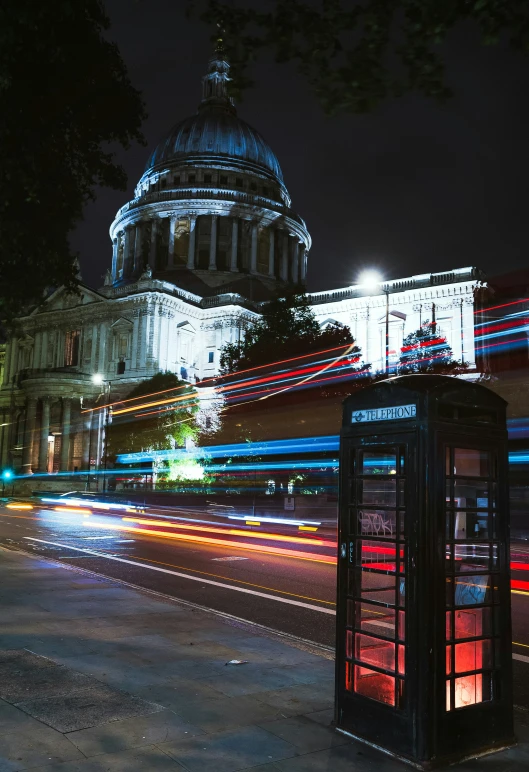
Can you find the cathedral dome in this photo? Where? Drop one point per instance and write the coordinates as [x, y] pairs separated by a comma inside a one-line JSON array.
[[215, 134]]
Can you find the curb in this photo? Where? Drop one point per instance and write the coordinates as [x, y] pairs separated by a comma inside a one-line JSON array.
[[303, 644]]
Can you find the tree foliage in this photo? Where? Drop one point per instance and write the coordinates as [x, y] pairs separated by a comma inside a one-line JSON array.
[[427, 351], [357, 53], [64, 96], [162, 427], [287, 328]]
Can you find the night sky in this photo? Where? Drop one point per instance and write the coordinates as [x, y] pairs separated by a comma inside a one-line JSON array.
[[413, 188]]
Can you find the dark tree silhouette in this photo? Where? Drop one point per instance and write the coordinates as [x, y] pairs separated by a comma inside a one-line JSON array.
[[64, 96], [357, 53], [287, 328]]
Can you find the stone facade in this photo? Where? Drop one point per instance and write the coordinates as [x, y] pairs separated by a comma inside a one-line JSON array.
[[208, 236]]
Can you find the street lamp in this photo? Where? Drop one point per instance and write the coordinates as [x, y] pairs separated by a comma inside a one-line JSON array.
[[372, 281], [99, 380], [7, 474]]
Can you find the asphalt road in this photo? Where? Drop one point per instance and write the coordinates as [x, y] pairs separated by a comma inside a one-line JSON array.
[[273, 574]]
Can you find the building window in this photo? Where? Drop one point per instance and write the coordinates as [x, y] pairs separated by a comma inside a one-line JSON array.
[[266, 192], [223, 179], [176, 179], [211, 357], [238, 182], [191, 179], [71, 348], [163, 183], [121, 368], [207, 178], [253, 186]]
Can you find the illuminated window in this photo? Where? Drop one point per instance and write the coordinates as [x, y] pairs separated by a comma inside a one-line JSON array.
[[375, 636], [472, 634], [71, 348]]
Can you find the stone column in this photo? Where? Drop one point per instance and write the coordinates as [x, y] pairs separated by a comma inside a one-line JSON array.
[[115, 259], [126, 253], [87, 436], [137, 248], [65, 433], [170, 258], [271, 253], [295, 264], [303, 257], [44, 350], [44, 433], [192, 243], [143, 340], [94, 349], [102, 364], [135, 342], [253, 258], [284, 257], [29, 433], [152, 249], [234, 244], [213, 243]]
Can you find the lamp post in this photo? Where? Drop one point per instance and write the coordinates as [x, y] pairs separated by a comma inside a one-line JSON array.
[[99, 380], [372, 280], [7, 474]]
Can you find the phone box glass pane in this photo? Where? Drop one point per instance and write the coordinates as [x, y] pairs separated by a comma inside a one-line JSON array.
[[473, 655], [379, 492], [377, 522], [378, 462], [468, 493], [376, 619], [378, 554], [469, 462], [472, 622], [375, 652], [378, 587], [472, 590], [471, 525], [376, 686], [471, 557]]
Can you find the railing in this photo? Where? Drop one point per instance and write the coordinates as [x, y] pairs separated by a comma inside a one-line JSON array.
[[398, 285], [214, 194], [68, 373]]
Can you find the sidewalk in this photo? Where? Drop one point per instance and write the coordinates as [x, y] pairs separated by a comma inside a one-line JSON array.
[[98, 677]]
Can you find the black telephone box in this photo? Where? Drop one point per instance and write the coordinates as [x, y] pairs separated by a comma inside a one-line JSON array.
[[423, 660]]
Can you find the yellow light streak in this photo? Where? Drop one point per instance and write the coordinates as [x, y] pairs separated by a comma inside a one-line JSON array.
[[263, 549], [231, 532], [145, 405], [307, 528], [252, 522], [525, 645], [73, 510], [15, 505]]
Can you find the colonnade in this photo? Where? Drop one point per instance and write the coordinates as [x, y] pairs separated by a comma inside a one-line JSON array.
[[37, 433], [128, 249]]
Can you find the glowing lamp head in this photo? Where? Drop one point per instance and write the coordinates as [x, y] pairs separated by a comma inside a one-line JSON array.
[[7, 474], [371, 280], [97, 379]]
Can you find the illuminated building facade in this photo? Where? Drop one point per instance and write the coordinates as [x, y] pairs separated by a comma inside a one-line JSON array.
[[209, 235]]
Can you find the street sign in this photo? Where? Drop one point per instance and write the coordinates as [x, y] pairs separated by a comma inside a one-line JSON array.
[[384, 413], [290, 503]]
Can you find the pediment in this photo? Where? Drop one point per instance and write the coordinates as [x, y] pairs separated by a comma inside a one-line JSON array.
[[61, 299], [121, 324], [186, 327]]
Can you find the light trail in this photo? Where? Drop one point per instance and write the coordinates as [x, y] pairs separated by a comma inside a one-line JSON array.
[[234, 532]]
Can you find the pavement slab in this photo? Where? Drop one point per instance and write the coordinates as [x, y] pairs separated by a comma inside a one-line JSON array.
[[229, 751], [95, 704], [162, 727], [149, 759]]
